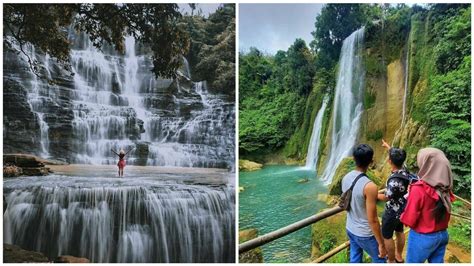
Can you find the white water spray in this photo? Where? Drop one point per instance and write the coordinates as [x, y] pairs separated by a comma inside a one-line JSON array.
[[313, 148], [348, 107]]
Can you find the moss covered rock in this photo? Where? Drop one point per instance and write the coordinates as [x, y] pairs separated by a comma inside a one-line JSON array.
[[328, 234], [246, 165], [15, 254], [252, 256], [347, 165]]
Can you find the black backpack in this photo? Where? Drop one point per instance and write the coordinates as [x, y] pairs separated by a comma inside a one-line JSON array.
[[411, 178], [345, 199]]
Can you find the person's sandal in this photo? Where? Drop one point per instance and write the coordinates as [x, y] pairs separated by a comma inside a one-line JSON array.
[[397, 261]]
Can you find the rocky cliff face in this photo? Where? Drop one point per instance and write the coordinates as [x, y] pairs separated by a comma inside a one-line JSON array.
[[112, 101], [393, 91]]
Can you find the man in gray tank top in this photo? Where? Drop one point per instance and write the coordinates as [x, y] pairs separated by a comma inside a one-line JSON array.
[[362, 225]]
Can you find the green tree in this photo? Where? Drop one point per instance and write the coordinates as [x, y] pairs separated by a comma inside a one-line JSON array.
[[335, 23], [212, 53], [300, 66], [158, 26], [449, 101]]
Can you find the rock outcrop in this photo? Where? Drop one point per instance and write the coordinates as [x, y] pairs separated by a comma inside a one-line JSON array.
[[246, 165], [20, 125], [252, 256], [15, 254], [70, 259], [24, 164]]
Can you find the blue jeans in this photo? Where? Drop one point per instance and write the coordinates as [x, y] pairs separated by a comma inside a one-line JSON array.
[[431, 247], [367, 244]]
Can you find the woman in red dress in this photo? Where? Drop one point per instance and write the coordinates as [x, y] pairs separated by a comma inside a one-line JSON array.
[[121, 162]]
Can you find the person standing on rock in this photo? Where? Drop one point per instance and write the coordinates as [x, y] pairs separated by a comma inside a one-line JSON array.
[[428, 208], [121, 162], [362, 224]]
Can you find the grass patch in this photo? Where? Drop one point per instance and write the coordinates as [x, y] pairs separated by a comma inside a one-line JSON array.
[[375, 135], [369, 99], [460, 234]]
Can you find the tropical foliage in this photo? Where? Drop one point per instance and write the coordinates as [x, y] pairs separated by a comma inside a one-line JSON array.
[[450, 98], [280, 94], [272, 94], [212, 53], [159, 26]]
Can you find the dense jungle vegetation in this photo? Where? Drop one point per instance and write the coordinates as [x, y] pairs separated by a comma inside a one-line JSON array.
[[281, 93]]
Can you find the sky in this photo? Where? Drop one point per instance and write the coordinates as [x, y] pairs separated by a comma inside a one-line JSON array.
[[273, 27]]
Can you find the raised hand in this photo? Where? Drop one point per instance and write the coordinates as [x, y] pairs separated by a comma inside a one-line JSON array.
[[385, 144]]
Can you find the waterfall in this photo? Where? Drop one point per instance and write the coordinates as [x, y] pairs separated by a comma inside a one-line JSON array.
[[313, 148], [187, 69], [407, 56], [37, 95], [120, 220], [348, 108], [114, 101]]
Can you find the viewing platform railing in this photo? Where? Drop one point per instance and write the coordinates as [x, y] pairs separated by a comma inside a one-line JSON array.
[[279, 233]]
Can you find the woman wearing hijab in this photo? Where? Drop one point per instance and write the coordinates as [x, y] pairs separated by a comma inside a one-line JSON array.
[[428, 208]]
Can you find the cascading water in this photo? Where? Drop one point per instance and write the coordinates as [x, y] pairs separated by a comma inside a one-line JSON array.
[[407, 56], [348, 107], [135, 219], [136, 114], [37, 95], [313, 149], [113, 101]]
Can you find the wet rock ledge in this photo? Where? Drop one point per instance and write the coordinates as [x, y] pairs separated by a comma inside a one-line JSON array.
[[15, 254], [26, 164]]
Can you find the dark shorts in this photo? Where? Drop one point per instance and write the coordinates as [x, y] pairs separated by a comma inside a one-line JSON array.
[[390, 224]]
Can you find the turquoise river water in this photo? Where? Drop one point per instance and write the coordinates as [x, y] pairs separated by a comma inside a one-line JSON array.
[[277, 196]]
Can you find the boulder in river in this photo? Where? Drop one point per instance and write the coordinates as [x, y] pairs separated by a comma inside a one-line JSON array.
[[246, 165], [252, 256]]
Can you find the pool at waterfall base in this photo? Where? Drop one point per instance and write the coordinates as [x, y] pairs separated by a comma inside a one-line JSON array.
[[150, 215], [274, 197]]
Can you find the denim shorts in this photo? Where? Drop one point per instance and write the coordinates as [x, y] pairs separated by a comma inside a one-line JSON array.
[[422, 247]]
